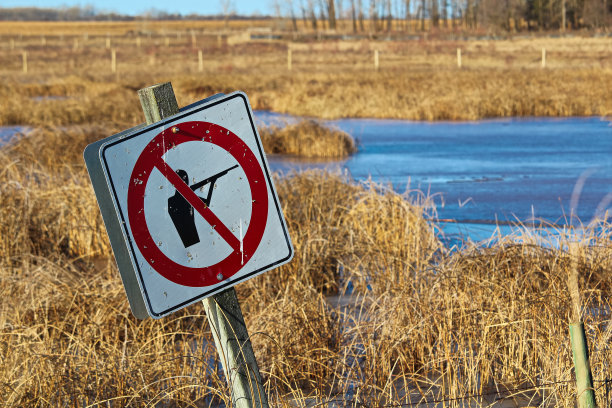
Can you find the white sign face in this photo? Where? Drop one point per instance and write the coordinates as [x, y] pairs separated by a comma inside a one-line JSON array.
[[196, 203]]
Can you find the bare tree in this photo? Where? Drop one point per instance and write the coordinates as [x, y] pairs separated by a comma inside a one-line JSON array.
[[227, 8], [361, 16], [373, 15], [331, 14], [407, 15], [354, 16], [313, 14], [291, 12]]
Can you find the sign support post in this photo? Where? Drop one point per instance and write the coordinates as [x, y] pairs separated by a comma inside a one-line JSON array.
[[222, 310]]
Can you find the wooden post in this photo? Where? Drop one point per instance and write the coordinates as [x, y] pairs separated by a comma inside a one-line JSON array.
[[289, 58], [543, 57], [222, 310], [376, 65], [113, 61], [582, 366], [200, 61], [24, 60], [458, 57]]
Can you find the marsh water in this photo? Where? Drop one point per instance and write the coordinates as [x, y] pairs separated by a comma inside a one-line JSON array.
[[480, 174], [484, 172]]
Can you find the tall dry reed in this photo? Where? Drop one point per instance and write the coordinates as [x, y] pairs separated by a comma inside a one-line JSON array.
[[307, 138]]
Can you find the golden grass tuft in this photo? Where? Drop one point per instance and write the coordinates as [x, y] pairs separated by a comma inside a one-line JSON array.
[[307, 138]]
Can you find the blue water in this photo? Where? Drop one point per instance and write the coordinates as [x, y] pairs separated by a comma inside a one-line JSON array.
[[504, 170], [7, 132]]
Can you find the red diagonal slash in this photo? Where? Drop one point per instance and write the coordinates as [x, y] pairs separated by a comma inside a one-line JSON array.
[[197, 204]]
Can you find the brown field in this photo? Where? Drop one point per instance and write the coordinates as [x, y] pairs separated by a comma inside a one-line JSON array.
[[485, 326], [417, 79]]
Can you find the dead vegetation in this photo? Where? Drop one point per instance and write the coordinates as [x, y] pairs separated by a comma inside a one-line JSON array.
[[307, 138], [421, 323]]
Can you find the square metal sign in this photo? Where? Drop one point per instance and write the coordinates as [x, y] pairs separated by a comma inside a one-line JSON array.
[[189, 205]]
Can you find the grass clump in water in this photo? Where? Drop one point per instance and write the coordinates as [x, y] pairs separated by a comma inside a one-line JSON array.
[[307, 138]]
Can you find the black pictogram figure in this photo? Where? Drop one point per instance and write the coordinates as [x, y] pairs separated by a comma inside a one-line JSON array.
[[181, 212]]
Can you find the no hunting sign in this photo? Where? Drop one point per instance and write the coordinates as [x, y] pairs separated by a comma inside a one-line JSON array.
[[189, 205]]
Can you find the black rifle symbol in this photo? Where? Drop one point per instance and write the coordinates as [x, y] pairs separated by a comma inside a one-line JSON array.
[[181, 212]]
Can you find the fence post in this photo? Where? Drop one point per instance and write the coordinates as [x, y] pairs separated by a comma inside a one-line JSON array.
[[543, 57], [458, 57], [582, 366], [289, 57], [113, 61], [24, 60], [222, 310], [200, 61], [376, 65]]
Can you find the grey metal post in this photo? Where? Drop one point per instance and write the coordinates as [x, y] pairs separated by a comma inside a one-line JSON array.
[[582, 366], [222, 310]]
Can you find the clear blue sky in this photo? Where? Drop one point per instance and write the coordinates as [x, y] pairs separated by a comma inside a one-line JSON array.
[[243, 7]]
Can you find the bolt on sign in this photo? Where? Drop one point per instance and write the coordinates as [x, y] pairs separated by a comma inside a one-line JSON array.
[[189, 204]]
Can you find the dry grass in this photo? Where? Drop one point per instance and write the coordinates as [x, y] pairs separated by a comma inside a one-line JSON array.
[[421, 323], [329, 79], [307, 138]]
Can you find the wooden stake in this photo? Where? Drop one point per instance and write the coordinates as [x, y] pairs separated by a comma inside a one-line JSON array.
[[113, 61], [543, 57], [582, 366], [458, 57], [376, 65], [200, 61], [222, 310], [24, 60], [289, 58]]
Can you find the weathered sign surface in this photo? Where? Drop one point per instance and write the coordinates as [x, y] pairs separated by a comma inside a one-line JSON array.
[[189, 205]]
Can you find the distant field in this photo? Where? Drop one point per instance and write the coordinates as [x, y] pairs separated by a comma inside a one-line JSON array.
[[415, 79], [423, 323]]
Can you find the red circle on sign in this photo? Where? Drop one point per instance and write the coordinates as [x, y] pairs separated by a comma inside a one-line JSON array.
[[152, 158]]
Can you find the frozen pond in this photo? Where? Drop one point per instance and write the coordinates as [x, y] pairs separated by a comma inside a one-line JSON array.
[[7, 132], [505, 170]]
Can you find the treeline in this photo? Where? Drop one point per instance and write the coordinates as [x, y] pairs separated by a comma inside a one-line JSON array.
[[509, 15], [87, 13], [90, 13]]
